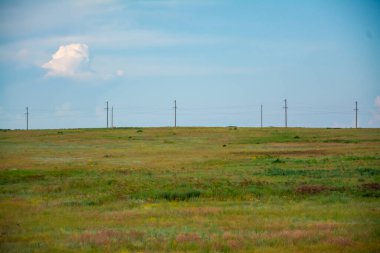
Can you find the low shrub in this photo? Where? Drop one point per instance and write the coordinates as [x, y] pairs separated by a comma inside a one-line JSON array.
[[180, 195]]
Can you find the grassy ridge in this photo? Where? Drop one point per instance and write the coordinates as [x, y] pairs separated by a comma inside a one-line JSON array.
[[190, 189]]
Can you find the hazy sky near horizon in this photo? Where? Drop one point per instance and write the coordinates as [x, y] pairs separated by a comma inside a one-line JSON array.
[[220, 59]]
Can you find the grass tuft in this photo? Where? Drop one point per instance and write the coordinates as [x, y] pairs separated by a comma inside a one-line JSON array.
[[179, 195]]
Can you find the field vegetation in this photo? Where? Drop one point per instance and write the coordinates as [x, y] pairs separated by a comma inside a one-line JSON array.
[[190, 190]]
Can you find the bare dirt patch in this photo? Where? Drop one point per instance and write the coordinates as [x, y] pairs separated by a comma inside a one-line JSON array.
[[188, 238], [311, 189], [371, 186]]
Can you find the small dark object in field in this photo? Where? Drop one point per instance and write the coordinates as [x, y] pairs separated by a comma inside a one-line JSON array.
[[224, 145], [296, 137], [110, 182], [277, 160], [129, 137], [139, 131], [107, 156], [60, 132]]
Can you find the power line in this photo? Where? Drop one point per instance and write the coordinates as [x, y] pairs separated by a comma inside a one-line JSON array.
[[190, 113]]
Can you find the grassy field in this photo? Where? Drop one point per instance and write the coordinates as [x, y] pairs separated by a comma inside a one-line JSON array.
[[190, 190]]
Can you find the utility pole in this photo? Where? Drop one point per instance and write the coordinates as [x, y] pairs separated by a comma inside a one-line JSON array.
[[107, 112], [261, 116], [175, 113], [356, 114], [27, 118], [286, 114], [112, 116]]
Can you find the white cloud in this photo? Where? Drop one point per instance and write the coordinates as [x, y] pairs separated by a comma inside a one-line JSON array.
[[120, 72], [69, 61]]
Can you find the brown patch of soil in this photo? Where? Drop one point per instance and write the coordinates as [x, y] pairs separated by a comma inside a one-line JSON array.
[[311, 189], [371, 186], [188, 237]]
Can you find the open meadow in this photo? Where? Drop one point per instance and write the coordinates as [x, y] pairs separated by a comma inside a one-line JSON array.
[[190, 190]]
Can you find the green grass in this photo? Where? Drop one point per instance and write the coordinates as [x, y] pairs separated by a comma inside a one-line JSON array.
[[190, 190]]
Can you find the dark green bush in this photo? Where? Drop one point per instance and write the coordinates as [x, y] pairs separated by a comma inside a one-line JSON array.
[[180, 195]]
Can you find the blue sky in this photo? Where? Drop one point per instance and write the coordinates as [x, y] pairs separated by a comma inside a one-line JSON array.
[[219, 59]]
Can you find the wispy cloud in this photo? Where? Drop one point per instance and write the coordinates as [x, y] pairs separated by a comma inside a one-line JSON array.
[[73, 59], [376, 114], [375, 120], [120, 72], [173, 3], [157, 67], [377, 102], [169, 70], [111, 38], [39, 17], [64, 110]]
